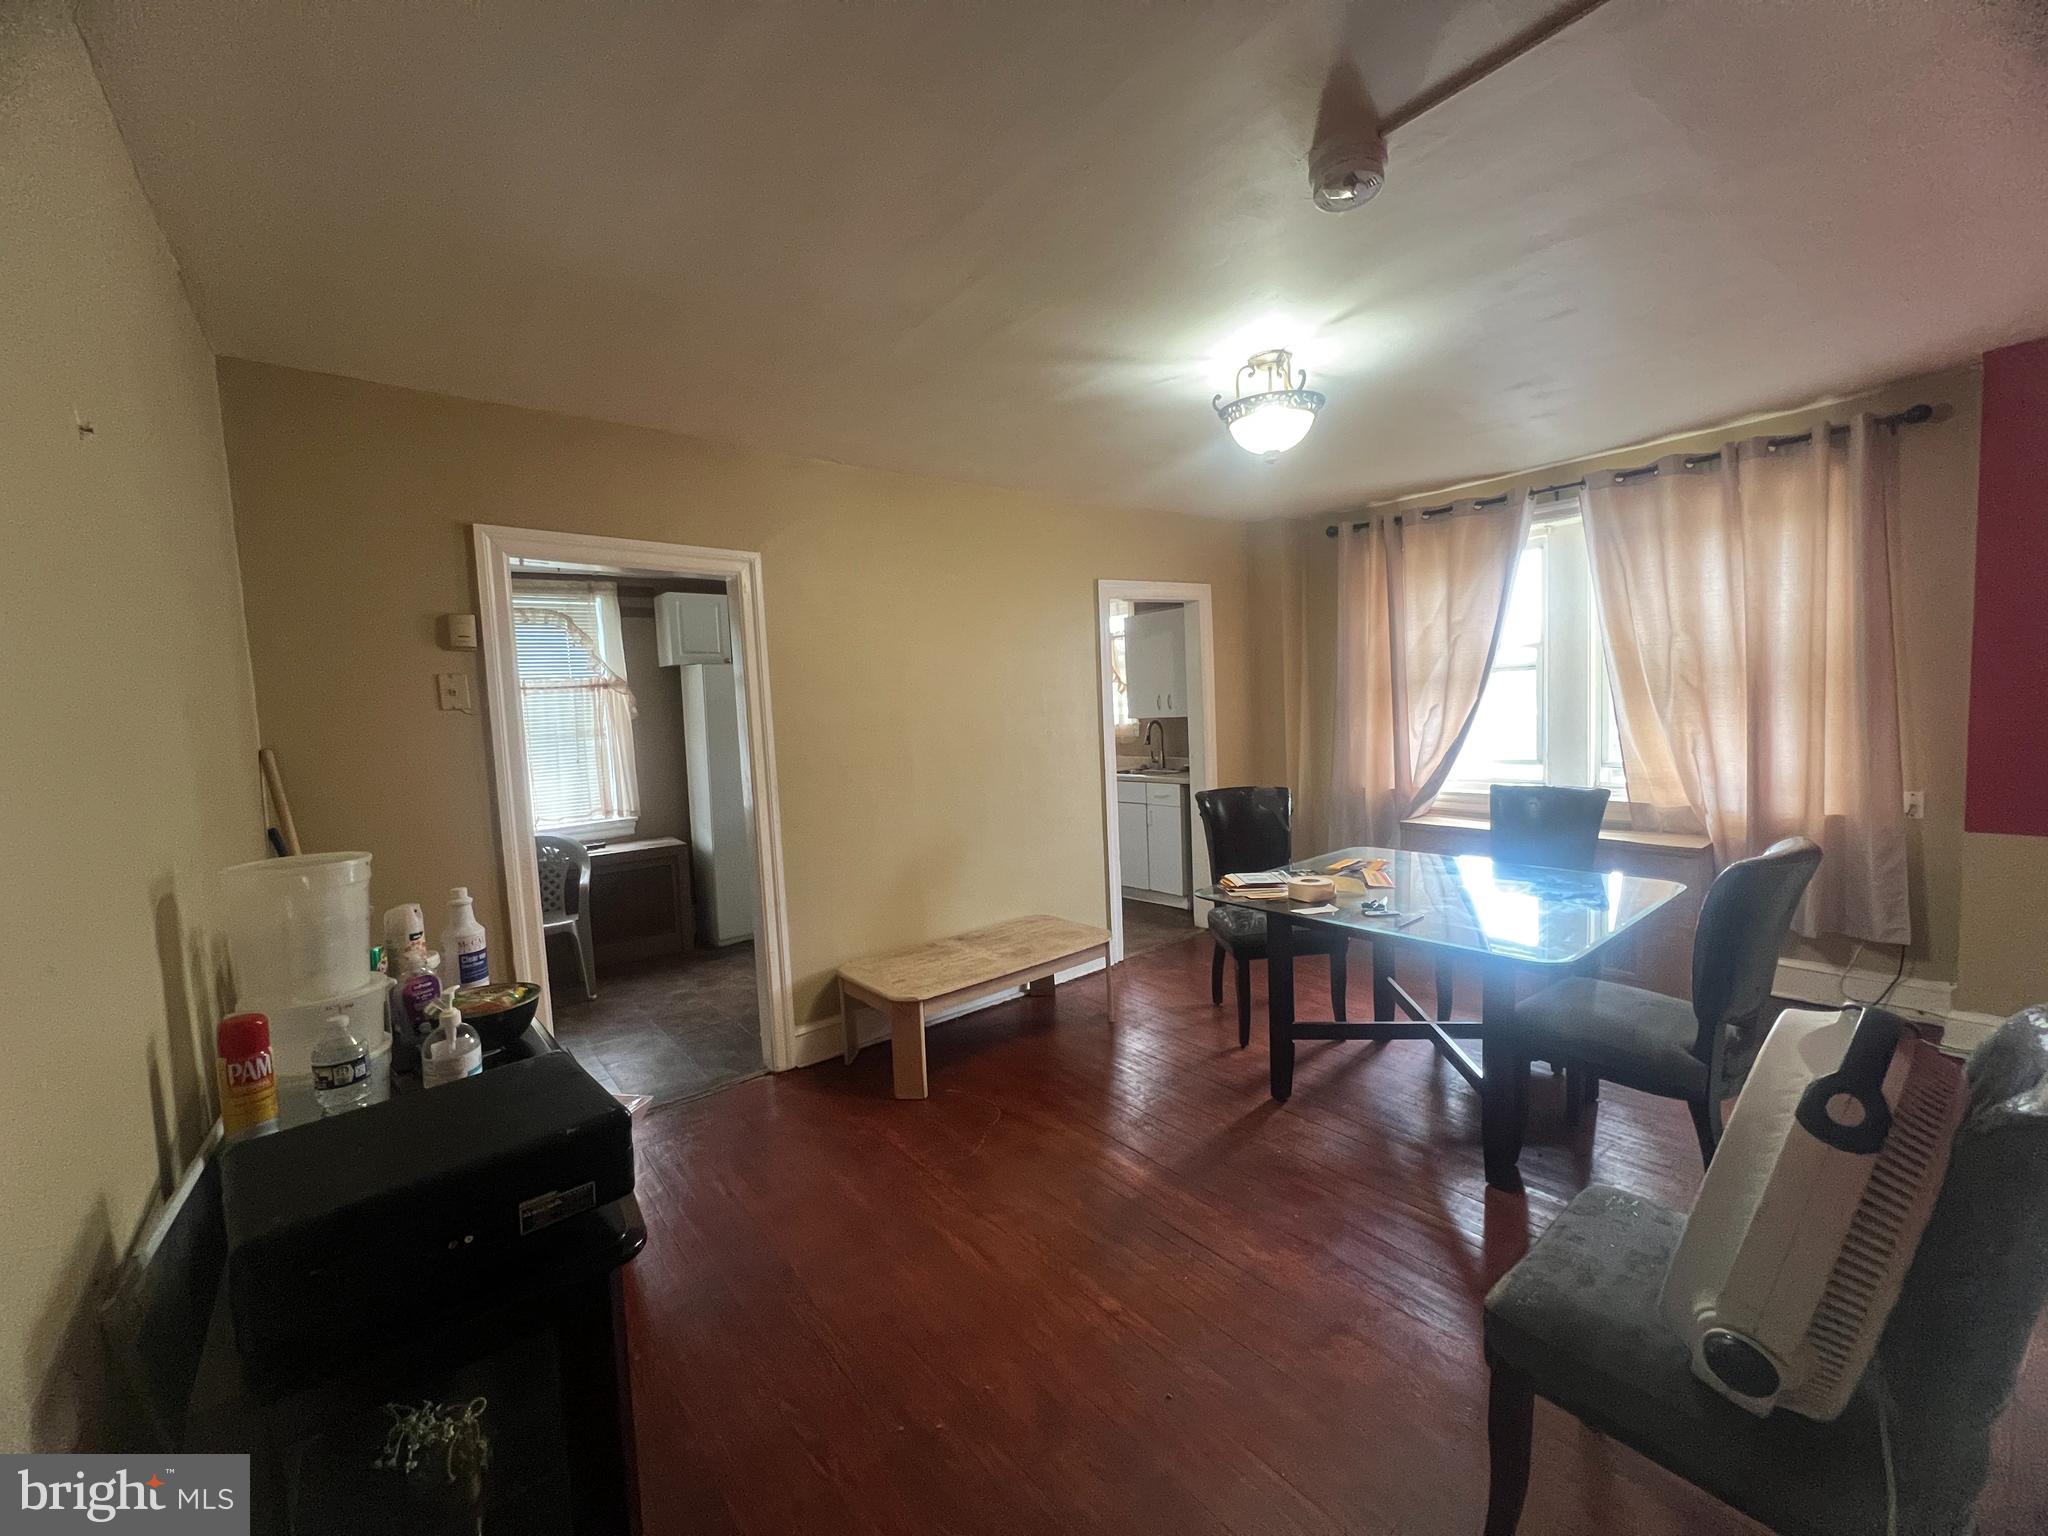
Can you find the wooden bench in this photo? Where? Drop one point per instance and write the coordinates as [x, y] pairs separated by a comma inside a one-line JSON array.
[[910, 984]]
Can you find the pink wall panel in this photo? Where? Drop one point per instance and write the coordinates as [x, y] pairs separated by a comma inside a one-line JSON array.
[[2008, 776]]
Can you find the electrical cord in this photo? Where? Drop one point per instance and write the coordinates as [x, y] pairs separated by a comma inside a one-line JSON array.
[[1898, 975], [1883, 1394]]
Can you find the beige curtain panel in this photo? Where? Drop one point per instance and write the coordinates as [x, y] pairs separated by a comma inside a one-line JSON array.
[[1420, 604], [1745, 604]]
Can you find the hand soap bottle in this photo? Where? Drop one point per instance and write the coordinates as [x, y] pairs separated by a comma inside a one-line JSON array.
[[452, 1052]]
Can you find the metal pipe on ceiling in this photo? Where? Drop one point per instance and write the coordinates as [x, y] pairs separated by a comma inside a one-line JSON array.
[[1532, 36]]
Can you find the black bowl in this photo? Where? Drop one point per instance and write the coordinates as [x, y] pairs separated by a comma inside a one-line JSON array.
[[499, 1027]]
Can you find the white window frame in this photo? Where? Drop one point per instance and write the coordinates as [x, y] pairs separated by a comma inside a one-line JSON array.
[[1120, 659], [1573, 706], [611, 641]]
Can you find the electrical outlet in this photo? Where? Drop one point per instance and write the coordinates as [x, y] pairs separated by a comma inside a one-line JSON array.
[[1916, 804], [452, 691]]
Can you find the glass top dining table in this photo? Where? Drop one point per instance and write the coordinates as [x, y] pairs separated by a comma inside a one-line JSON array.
[[1507, 919]]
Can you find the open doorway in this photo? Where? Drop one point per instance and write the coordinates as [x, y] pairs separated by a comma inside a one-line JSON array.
[[637, 827], [1159, 750]]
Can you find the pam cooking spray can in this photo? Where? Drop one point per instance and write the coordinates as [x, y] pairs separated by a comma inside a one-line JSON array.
[[248, 1082]]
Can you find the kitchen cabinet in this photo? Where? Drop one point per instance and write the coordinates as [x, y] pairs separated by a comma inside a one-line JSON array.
[[1156, 664], [692, 629], [1134, 842], [1152, 838], [640, 899], [1166, 845]]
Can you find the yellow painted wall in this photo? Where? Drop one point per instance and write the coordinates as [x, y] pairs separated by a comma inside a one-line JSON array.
[[127, 765], [931, 646], [1932, 571], [2004, 962]]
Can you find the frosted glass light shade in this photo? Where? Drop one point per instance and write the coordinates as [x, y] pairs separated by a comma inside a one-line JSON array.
[[1272, 424], [1272, 419]]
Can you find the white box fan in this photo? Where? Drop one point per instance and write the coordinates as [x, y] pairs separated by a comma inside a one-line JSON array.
[[1812, 1209]]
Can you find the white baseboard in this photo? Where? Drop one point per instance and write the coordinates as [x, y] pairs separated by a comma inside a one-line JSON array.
[[824, 1039], [1967, 1031], [1809, 981]]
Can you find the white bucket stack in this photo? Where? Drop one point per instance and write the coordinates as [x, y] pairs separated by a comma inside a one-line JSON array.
[[299, 936]]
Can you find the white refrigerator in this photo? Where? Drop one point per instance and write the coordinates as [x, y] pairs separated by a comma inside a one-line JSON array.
[[693, 633], [721, 831]]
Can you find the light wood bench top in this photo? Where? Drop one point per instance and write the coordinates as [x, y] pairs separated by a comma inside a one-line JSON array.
[[918, 973], [1026, 952]]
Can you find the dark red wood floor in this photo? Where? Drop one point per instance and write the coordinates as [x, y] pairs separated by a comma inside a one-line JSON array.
[[1100, 1282]]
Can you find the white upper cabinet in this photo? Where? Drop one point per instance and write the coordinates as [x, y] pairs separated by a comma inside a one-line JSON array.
[[691, 628], [1156, 663]]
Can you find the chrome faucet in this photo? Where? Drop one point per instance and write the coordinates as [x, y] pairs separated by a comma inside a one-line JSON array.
[[1155, 750]]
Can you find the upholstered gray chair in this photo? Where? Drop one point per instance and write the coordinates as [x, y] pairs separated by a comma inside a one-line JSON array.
[[565, 900], [1251, 827], [1542, 824], [1577, 1322], [1698, 1051]]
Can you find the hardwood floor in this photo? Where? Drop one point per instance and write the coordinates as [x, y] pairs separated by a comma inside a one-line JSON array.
[[1100, 1282]]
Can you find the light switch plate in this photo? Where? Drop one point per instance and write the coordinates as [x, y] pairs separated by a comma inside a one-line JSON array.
[[452, 690], [1916, 804]]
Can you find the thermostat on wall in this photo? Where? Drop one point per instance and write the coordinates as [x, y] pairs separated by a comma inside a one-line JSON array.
[[458, 631]]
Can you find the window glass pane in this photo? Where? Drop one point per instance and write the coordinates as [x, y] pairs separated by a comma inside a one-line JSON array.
[[1609, 759], [1505, 742], [572, 763], [1506, 739], [1524, 626]]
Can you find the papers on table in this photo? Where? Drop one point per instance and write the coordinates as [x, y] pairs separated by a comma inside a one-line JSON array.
[[1374, 872], [1260, 883]]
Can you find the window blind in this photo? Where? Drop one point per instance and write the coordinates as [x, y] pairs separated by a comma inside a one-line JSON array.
[[577, 706]]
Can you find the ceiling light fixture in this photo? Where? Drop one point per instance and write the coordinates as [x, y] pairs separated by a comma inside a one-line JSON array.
[[1274, 418]]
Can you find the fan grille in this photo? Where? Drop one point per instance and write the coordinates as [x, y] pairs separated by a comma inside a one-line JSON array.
[[1865, 1279]]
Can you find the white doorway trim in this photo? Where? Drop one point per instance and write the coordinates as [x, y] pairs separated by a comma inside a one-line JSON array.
[[1200, 603], [496, 549]]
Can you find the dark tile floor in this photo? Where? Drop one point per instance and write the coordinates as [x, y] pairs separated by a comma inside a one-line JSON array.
[[672, 1028], [1147, 925]]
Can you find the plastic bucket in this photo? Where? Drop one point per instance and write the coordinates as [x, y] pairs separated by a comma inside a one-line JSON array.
[[299, 928], [295, 1026]]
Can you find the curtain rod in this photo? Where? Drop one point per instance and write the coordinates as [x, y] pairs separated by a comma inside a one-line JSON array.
[[1911, 416]]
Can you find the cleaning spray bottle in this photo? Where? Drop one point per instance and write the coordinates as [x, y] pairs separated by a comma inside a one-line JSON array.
[[452, 1052], [463, 950]]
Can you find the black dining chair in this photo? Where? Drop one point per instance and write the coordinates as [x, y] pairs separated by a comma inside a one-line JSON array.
[[1251, 827], [1535, 824], [1698, 1051]]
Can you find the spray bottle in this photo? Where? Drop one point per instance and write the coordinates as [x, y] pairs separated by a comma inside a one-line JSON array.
[[463, 950]]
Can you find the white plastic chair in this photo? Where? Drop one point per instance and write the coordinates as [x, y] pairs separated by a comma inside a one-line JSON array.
[[565, 899]]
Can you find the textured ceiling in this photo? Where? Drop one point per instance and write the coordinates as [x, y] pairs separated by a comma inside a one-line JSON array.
[[1024, 243]]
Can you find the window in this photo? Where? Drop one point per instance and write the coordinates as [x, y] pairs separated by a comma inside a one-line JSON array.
[[1119, 659], [577, 707], [1546, 716]]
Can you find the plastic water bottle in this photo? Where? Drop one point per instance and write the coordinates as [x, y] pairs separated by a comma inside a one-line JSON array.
[[341, 1068]]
